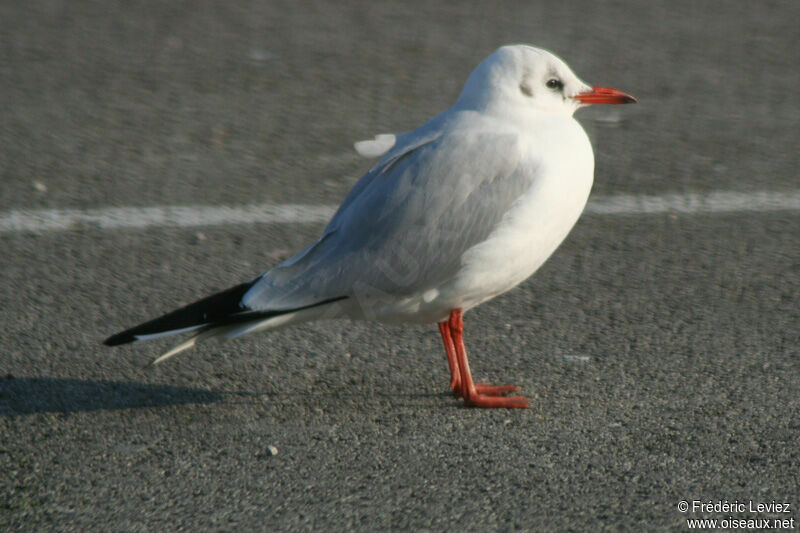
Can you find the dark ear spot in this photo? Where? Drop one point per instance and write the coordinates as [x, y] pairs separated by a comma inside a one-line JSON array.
[[525, 88]]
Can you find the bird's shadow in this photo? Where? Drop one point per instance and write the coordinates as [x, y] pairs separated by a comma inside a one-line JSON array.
[[21, 396]]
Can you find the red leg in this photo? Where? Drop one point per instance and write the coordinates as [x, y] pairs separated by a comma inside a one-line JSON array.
[[455, 375], [483, 395], [450, 348]]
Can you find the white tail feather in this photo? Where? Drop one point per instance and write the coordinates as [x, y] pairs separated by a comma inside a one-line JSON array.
[[176, 350], [188, 343]]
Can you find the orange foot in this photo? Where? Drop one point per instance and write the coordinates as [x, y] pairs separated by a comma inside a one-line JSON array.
[[485, 389], [494, 398]]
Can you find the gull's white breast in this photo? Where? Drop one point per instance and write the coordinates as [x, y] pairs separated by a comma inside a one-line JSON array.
[[558, 154]]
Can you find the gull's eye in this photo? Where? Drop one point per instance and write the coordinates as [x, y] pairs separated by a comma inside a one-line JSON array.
[[554, 83]]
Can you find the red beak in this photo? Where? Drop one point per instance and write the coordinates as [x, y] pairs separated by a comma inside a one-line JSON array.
[[602, 95]]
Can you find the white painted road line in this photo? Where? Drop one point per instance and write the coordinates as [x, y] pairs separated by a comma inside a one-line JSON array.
[[44, 220], [24, 220], [695, 203]]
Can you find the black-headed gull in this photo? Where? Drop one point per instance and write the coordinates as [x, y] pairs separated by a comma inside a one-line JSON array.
[[454, 213]]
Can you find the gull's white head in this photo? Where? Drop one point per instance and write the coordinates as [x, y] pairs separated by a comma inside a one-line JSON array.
[[519, 77]]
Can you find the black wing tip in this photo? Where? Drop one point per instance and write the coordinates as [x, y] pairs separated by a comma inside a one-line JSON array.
[[205, 314], [210, 309], [119, 338]]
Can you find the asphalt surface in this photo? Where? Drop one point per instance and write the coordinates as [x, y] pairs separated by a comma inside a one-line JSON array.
[[660, 351]]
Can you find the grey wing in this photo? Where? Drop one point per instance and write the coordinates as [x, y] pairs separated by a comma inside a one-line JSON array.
[[406, 225], [404, 144]]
